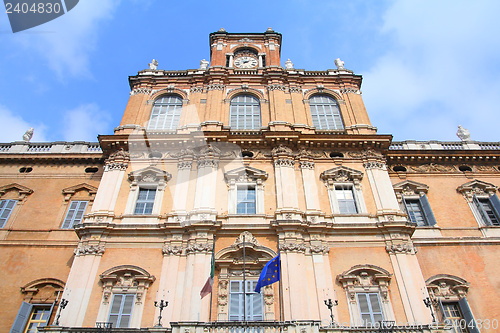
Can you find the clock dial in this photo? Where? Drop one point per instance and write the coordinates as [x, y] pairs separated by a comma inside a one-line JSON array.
[[245, 62]]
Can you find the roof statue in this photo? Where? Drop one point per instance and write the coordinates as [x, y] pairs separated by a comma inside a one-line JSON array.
[[339, 63], [288, 64], [203, 64], [28, 134], [153, 64], [463, 133]]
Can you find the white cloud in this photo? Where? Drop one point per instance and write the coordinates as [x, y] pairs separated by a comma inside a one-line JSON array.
[[66, 42], [441, 70], [14, 126], [85, 122]]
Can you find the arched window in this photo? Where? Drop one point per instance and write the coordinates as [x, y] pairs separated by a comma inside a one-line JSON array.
[[325, 113], [166, 113], [244, 112]]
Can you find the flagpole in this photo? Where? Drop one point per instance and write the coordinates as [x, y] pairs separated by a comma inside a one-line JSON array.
[[279, 281], [244, 284], [211, 263]]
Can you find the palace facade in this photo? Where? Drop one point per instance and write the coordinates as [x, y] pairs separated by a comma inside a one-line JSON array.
[[242, 159]]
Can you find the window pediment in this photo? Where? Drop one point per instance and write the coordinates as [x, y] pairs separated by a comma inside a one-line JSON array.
[[149, 175], [477, 187], [447, 286], [409, 188], [22, 191], [364, 278], [71, 191], [245, 174], [341, 174], [126, 278], [42, 290]]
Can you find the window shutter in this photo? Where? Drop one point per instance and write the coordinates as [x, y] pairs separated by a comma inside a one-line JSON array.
[[6, 207], [235, 300], [441, 310], [495, 204], [480, 209], [429, 216], [467, 313], [49, 315], [21, 318]]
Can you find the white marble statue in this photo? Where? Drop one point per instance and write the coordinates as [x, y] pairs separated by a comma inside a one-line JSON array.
[[28, 134], [153, 64], [288, 64], [339, 63], [463, 133], [203, 65]]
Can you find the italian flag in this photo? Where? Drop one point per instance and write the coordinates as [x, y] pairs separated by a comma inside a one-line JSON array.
[[207, 288]]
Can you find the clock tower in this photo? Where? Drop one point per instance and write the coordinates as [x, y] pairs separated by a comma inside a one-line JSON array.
[[245, 50]]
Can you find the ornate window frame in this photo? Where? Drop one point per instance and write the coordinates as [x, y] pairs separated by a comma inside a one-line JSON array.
[[344, 176], [125, 279], [229, 263], [244, 114], [76, 193], [480, 190], [322, 120], [16, 192], [150, 178], [245, 177], [169, 106], [366, 279], [411, 190]]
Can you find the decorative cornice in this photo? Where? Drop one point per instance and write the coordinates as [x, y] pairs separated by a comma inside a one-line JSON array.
[[215, 86], [184, 165], [306, 165], [138, 91], [199, 248], [172, 250], [292, 247], [274, 86], [374, 165], [319, 249], [280, 162], [82, 250], [368, 152], [196, 89], [295, 90], [401, 248]]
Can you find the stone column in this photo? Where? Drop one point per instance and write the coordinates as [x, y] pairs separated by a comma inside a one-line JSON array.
[[380, 183], [206, 181], [310, 190], [286, 186], [179, 209], [80, 282], [109, 187], [409, 278]]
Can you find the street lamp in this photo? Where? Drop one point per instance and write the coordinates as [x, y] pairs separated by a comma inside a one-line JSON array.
[[62, 306], [329, 304], [163, 304]]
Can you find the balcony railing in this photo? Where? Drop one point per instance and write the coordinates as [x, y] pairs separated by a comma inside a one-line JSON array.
[[253, 327]]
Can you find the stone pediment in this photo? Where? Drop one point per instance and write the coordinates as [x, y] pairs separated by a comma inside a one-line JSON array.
[[409, 187], [341, 174], [477, 187], [245, 174], [21, 190], [149, 175], [85, 187]]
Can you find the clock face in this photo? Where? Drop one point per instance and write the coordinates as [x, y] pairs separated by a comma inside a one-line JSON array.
[[245, 62]]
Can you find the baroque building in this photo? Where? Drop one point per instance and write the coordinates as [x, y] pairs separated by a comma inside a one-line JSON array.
[[242, 159]]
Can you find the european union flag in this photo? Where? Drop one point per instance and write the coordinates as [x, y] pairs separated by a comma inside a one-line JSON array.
[[270, 274]]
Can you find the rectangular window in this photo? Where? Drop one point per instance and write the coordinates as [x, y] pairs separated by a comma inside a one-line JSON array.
[[145, 201], [74, 214], [452, 314], [346, 200], [253, 308], [121, 310], [6, 207], [415, 212], [39, 317], [246, 200], [369, 308], [487, 209]]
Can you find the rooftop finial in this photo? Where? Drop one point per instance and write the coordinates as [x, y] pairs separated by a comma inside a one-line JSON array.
[[288, 64], [339, 63], [222, 30], [270, 29]]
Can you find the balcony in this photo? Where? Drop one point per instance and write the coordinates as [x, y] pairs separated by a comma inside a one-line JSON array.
[[253, 327]]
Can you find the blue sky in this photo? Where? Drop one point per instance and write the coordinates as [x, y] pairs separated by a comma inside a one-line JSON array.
[[427, 66]]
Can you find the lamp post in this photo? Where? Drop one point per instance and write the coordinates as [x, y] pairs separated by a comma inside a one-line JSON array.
[[163, 304], [62, 306], [428, 303], [329, 304]]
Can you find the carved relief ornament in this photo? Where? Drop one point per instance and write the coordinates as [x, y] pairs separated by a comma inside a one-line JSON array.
[[126, 279], [96, 250], [365, 278]]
